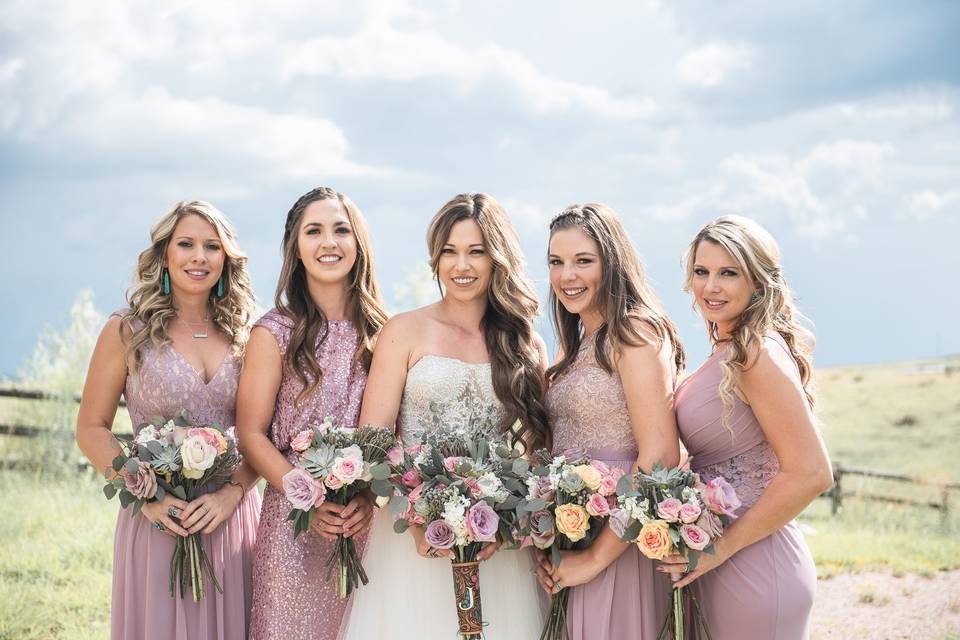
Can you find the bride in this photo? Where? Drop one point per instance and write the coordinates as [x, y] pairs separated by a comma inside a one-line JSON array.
[[471, 360]]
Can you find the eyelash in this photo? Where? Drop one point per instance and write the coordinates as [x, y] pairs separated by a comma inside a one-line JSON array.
[[725, 272], [210, 247]]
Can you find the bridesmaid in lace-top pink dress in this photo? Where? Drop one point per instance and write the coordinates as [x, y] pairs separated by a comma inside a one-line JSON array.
[[746, 415], [588, 411]]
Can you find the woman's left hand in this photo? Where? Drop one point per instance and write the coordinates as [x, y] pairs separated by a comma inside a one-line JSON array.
[[677, 566], [575, 568], [205, 513], [358, 515]]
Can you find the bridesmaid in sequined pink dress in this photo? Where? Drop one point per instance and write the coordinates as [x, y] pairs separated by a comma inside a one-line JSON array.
[[756, 429], [192, 270], [306, 360], [611, 394]]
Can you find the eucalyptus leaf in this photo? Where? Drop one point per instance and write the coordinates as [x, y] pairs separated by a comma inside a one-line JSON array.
[[398, 505], [180, 492], [537, 504], [555, 555], [380, 471], [630, 533], [109, 490], [400, 526], [624, 484], [118, 463], [382, 488], [692, 557], [521, 467], [126, 498]]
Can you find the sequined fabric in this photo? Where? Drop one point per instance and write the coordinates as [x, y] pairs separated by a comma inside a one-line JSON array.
[[292, 599], [587, 408], [165, 385], [445, 392]]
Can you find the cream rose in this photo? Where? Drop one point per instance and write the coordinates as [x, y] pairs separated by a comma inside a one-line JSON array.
[[590, 475], [573, 521], [198, 455]]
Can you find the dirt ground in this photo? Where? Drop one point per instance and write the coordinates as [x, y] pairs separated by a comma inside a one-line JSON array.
[[886, 606]]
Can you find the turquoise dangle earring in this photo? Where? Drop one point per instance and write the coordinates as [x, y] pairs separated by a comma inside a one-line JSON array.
[[220, 287], [166, 282]]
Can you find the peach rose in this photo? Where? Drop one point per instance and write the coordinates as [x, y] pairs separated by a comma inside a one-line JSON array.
[[654, 540], [573, 521], [590, 475]]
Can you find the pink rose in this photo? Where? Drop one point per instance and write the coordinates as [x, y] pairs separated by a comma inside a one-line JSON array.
[[450, 464], [415, 450], [669, 509], [303, 490], [608, 486], [482, 522], [302, 441], [143, 483], [207, 435], [395, 456], [720, 497], [689, 513], [411, 478], [347, 470], [598, 506], [542, 529], [695, 537], [333, 481], [473, 486]]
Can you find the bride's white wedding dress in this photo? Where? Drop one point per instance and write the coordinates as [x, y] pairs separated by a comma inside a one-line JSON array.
[[410, 596]]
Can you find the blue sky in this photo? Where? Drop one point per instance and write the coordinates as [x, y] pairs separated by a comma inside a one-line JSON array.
[[836, 125]]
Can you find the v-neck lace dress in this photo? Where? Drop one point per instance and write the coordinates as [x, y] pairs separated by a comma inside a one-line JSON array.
[[142, 606]]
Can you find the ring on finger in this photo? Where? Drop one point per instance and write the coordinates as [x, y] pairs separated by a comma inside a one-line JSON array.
[[172, 511], [159, 526]]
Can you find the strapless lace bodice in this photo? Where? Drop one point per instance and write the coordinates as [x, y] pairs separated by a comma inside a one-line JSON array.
[[446, 392]]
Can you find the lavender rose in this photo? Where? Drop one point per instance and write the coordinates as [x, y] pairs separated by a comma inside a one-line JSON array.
[[720, 497], [695, 537], [302, 490], [143, 483], [542, 529], [482, 522], [440, 535], [711, 523], [669, 509]]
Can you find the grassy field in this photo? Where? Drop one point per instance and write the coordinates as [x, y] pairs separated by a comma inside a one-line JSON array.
[[56, 533]]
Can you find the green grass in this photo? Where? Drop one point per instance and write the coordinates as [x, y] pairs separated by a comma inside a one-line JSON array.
[[55, 558]]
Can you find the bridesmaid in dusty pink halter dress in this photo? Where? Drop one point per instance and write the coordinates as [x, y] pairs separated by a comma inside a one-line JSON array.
[[177, 348], [760, 583], [610, 393]]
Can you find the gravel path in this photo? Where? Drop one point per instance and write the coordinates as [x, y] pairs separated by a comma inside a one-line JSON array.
[[884, 606]]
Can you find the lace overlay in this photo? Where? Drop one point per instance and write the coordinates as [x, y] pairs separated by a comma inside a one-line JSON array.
[[587, 408], [749, 472], [446, 392]]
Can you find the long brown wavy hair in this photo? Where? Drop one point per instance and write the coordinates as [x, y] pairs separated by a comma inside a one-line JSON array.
[[310, 328], [508, 320], [151, 310], [770, 309], [624, 294]]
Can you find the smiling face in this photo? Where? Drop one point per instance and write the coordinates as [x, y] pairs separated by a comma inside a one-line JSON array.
[[720, 287], [194, 256], [575, 270], [326, 242], [465, 266]]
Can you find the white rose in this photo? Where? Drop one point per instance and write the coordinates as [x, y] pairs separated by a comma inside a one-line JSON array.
[[491, 487], [197, 455], [145, 435]]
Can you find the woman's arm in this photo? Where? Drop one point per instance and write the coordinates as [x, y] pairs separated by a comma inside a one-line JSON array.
[[388, 373], [775, 393]]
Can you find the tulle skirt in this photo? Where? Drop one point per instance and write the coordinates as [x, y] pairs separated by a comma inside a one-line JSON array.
[[411, 597]]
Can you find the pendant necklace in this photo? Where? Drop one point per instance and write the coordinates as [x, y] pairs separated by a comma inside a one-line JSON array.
[[197, 334]]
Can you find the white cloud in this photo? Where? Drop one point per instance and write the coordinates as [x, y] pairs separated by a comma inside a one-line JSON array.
[[525, 214], [711, 64], [380, 50], [928, 204]]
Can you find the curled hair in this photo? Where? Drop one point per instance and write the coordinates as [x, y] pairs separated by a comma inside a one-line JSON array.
[[151, 310], [770, 309], [310, 328], [624, 294], [508, 320]]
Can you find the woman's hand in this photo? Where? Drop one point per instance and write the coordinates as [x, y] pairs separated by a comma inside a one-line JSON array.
[[357, 515], [163, 512], [543, 569], [575, 568], [490, 548], [676, 565], [328, 520], [424, 548], [205, 513]]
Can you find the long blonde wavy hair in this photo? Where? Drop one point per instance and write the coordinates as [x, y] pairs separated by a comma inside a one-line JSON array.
[[508, 321], [151, 310], [771, 308], [625, 294], [365, 307]]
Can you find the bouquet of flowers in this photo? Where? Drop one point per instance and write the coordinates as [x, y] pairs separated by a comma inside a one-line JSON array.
[[177, 457], [672, 511], [569, 498], [465, 490], [336, 463]]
